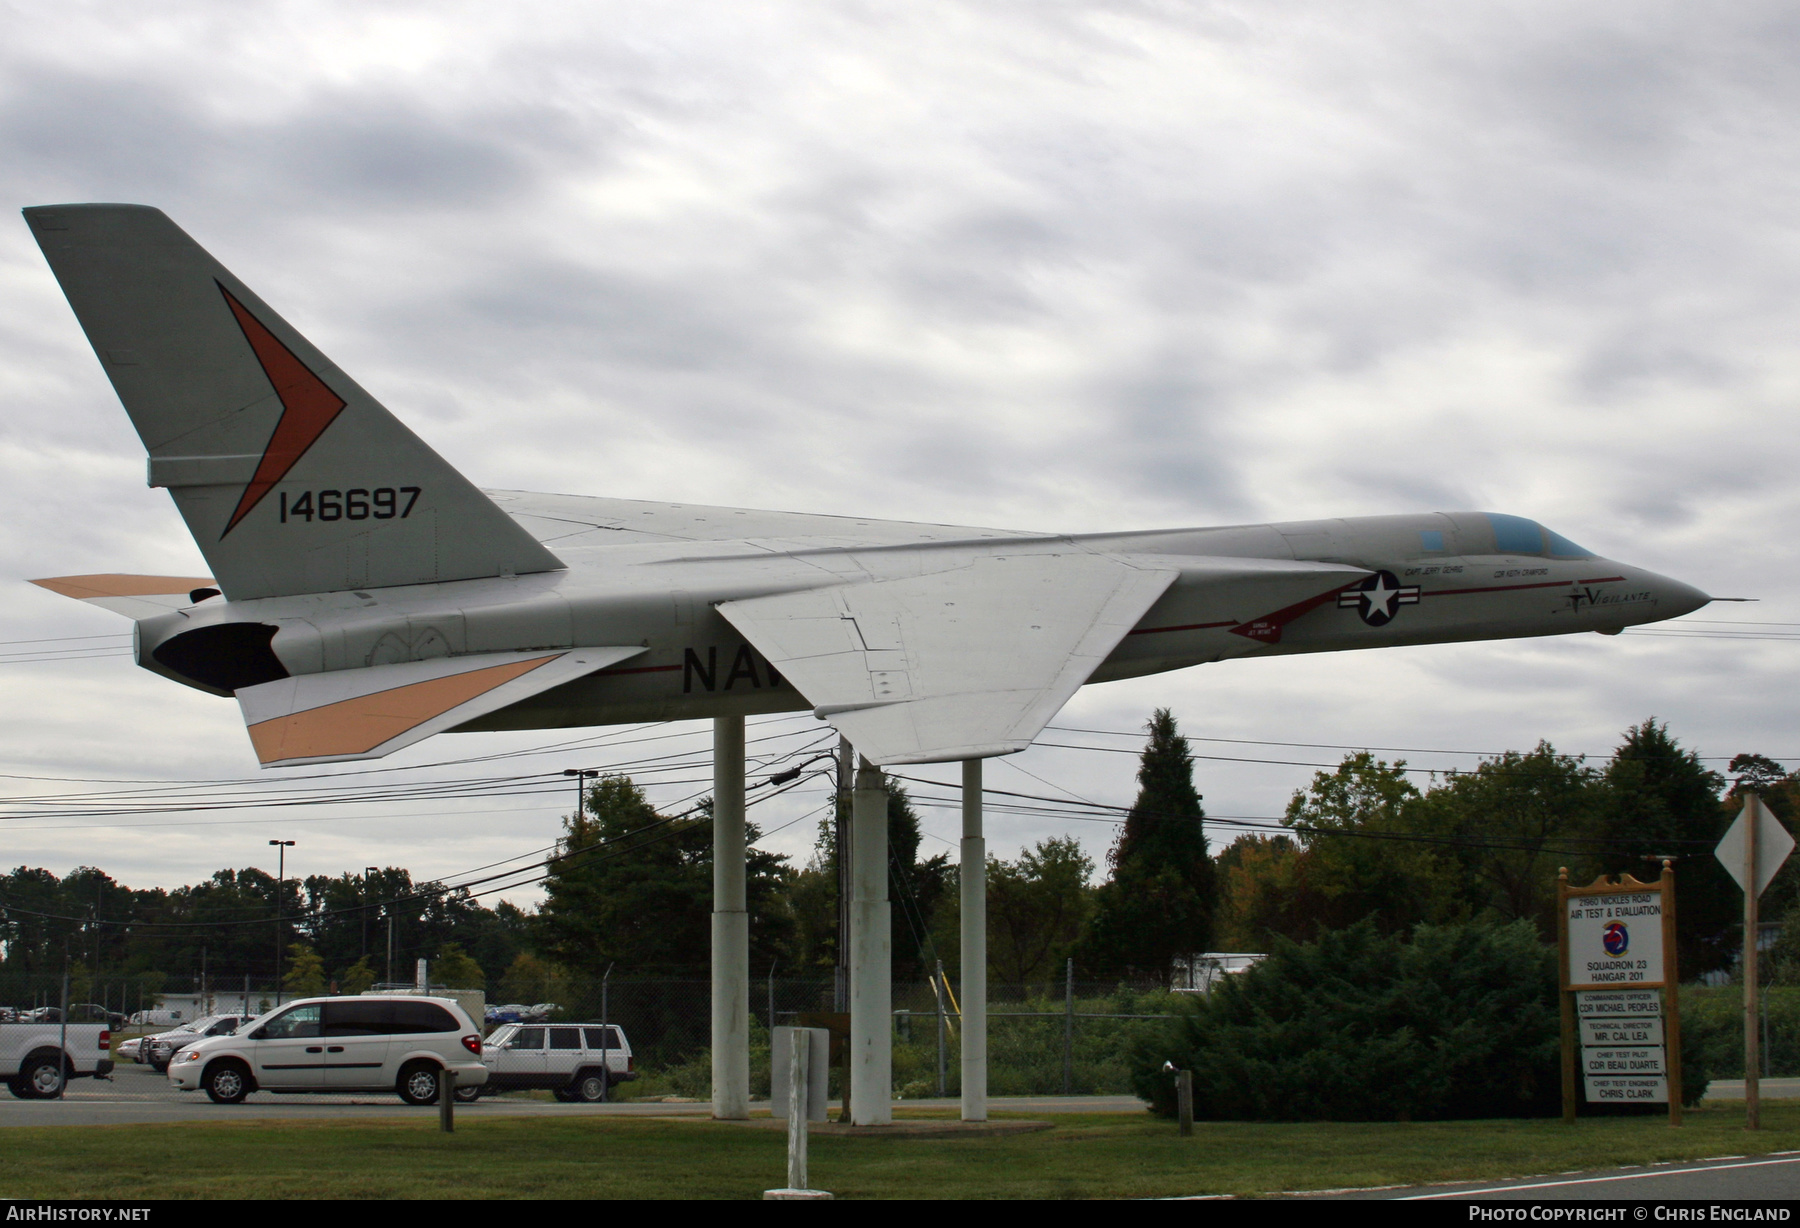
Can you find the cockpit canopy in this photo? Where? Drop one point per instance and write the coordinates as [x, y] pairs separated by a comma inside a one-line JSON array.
[[1517, 535]]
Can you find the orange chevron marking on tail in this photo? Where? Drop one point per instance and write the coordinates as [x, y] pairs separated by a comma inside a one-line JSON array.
[[308, 406]]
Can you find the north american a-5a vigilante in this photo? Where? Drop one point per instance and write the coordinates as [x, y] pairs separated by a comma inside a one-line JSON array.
[[365, 595]]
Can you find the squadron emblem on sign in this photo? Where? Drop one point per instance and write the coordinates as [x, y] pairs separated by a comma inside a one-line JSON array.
[[1378, 598]]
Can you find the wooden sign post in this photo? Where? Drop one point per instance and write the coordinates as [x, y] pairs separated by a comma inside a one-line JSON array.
[[1754, 847], [1621, 1022]]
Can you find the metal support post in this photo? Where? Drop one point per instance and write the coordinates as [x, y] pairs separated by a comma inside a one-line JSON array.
[[1184, 1101], [730, 927], [871, 955], [447, 1101], [974, 949]]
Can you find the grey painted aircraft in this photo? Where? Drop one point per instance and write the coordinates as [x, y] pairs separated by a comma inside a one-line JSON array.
[[365, 595]]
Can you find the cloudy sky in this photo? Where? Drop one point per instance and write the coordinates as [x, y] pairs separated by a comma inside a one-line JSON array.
[[1052, 266]]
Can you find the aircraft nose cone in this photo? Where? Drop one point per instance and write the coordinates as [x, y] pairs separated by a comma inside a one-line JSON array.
[[1673, 598]]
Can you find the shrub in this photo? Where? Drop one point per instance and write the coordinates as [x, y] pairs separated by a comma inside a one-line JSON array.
[[1459, 1022]]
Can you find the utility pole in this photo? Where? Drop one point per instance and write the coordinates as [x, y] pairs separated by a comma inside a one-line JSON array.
[[369, 873], [281, 848], [841, 842]]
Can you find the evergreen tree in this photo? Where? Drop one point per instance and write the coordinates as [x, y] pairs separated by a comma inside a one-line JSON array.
[[1666, 803], [1158, 905]]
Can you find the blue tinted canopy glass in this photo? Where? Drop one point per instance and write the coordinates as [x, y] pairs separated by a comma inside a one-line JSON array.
[[1562, 548], [1517, 535]]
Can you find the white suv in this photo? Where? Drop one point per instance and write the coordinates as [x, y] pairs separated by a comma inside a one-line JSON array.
[[401, 1044]]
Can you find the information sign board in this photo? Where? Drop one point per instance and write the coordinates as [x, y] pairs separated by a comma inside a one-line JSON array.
[[1618, 1061], [1604, 1032], [1644, 1089], [1615, 939], [1621, 1029]]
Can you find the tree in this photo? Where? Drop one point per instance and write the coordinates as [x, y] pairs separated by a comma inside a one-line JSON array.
[[529, 980], [305, 977], [454, 970], [357, 978], [1362, 857], [1758, 773], [632, 887], [1666, 803], [1036, 907], [1158, 904], [1509, 825]]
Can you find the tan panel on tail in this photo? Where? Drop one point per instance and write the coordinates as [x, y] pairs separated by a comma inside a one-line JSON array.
[[86, 588], [358, 726]]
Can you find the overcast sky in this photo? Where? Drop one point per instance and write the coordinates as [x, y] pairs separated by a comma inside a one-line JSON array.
[[1036, 265]]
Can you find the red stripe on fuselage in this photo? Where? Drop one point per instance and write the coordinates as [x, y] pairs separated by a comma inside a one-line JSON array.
[[1230, 622]]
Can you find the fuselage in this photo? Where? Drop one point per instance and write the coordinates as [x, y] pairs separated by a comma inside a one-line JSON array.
[[1381, 581]]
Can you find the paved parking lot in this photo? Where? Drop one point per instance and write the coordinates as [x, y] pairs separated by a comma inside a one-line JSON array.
[[137, 1095]]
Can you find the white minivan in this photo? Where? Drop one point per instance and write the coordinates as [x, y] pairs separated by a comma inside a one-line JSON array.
[[401, 1044]]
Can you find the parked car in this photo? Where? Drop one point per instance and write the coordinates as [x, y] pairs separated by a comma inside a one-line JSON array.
[[127, 1050], [375, 1042], [518, 1012], [155, 1019], [29, 1053], [93, 1012], [160, 1050], [576, 1061]]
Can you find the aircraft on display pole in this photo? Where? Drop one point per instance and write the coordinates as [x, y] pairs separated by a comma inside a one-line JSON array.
[[365, 595]]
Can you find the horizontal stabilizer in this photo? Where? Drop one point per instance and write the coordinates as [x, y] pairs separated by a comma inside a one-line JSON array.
[[369, 713], [958, 664], [133, 596]]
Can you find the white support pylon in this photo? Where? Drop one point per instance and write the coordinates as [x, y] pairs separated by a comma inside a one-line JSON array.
[[871, 955], [974, 948], [730, 927]]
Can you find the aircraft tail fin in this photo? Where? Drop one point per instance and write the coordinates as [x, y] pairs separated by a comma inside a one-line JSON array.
[[290, 476]]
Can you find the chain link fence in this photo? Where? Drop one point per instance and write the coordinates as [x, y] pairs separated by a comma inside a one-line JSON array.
[[1043, 1039]]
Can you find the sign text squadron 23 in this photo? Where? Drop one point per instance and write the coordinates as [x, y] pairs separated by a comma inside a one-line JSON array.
[[1619, 992]]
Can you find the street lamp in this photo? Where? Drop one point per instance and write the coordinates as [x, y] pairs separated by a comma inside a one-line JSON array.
[[281, 848], [368, 875], [582, 776]]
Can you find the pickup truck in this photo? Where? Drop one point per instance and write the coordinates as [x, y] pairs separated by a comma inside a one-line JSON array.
[[576, 1061], [29, 1056]]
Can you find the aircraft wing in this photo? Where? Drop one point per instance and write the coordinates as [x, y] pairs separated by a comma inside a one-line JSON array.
[[368, 713], [956, 664]]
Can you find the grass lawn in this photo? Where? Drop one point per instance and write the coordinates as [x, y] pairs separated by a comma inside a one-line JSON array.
[[1084, 1156]]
